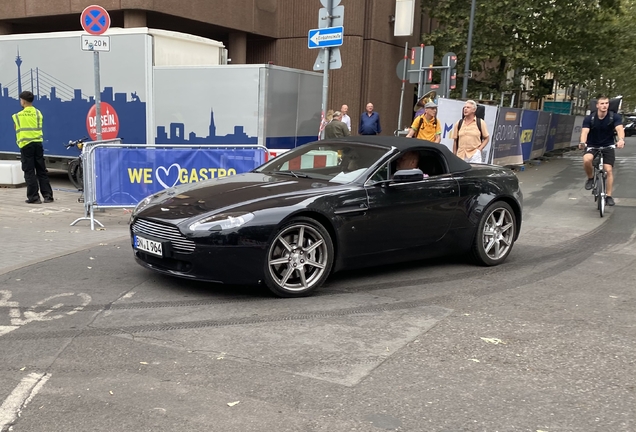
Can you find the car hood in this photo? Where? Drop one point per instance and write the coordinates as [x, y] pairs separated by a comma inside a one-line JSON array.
[[186, 201]]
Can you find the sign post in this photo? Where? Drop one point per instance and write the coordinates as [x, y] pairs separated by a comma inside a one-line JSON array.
[[406, 56], [326, 37], [95, 20]]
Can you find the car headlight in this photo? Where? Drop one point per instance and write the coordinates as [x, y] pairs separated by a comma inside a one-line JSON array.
[[142, 204], [222, 222]]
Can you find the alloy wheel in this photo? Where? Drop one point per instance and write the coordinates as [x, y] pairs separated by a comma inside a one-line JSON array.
[[298, 258], [498, 233]]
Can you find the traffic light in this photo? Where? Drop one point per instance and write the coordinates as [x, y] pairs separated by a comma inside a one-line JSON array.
[[453, 79], [450, 60]]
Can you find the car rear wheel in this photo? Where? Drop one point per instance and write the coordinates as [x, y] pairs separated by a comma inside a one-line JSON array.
[[299, 258], [495, 234]]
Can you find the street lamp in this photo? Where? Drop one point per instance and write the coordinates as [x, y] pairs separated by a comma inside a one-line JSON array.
[[470, 43]]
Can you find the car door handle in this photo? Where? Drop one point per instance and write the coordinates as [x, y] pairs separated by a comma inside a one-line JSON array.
[[350, 210]]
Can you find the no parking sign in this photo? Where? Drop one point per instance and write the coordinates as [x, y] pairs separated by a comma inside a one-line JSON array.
[[95, 20]]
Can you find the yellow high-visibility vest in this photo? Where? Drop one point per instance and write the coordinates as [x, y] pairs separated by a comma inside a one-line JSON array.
[[28, 126]]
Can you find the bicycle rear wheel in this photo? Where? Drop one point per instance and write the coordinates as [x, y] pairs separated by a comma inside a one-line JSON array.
[[601, 193], [76, 174]]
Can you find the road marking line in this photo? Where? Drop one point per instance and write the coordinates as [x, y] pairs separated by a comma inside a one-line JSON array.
[[6, 329], [20, 397]]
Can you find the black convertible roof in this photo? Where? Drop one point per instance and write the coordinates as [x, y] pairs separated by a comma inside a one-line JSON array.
[[455, 164]]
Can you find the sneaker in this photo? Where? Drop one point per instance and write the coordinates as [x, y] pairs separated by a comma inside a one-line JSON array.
[[33, 202], [48, 200], [589, 183], [609, 201]]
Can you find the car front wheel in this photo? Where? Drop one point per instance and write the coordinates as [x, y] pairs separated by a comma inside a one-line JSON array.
[[495, 234], [299, 258]]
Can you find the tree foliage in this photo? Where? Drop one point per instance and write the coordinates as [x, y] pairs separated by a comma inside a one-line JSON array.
[[617, 75], [579, 42]]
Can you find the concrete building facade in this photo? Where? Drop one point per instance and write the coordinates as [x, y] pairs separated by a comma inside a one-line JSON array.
[[260, 31]]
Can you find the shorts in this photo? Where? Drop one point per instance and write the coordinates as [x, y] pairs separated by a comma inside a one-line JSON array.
[[476, 158], [609, 155]]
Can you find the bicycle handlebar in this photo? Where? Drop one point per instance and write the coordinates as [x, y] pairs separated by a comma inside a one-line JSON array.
[[600, 148], [76, 142]]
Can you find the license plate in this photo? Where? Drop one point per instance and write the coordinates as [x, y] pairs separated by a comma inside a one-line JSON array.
[[150, 246]]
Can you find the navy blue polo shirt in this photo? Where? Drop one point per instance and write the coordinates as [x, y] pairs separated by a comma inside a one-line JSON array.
[[369, 124], [602, 134]]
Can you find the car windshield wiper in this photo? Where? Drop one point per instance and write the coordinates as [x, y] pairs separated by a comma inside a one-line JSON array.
[[292, 173]]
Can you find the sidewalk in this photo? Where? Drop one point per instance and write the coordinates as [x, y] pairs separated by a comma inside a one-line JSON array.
[[32, 233]]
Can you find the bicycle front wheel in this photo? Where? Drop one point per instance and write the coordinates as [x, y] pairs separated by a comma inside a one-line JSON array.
[[601, 194]]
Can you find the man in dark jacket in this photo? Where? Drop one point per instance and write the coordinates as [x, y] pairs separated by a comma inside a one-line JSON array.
[[336, 127]]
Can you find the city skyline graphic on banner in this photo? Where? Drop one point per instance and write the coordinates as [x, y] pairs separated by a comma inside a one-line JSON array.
[[65, 108]]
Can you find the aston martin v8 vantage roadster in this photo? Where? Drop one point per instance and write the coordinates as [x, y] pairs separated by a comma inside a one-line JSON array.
[[327, 206]]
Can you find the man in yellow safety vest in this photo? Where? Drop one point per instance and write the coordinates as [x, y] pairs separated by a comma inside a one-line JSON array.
[[29, 137]]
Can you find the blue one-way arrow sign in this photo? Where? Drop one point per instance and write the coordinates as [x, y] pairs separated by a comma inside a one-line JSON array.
[[325, 37]]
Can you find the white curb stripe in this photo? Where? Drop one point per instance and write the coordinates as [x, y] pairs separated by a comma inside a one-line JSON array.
[[20, 397], [6, 329]]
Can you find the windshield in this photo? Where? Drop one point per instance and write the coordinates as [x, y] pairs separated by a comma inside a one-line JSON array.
[[335, 162]]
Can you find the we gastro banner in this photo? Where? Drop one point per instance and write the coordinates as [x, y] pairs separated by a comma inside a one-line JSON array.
[[126, 175]]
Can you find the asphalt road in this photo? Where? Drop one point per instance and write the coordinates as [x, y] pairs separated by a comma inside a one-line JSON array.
[[90, 341]]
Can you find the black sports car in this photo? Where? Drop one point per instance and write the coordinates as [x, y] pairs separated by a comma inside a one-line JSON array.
[[327, 206]]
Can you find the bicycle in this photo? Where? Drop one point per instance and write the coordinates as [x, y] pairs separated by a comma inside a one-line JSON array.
[[599, 189], [75, 167]]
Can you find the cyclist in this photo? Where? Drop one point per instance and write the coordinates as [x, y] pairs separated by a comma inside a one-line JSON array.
[[598, 130]]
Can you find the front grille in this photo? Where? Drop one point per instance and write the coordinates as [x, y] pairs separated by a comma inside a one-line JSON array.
[[163, 232]]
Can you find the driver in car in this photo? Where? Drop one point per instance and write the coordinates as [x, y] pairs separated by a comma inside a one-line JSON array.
[[408, 160]]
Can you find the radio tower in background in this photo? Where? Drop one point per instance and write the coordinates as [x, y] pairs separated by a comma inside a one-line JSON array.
[[18, 61]]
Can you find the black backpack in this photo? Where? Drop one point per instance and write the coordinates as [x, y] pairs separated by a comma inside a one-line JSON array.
[[459, 126], [610, 114], [611, 119], [419, 126], [614, 106]]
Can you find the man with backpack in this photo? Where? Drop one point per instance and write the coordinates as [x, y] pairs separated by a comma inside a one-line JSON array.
[[598, 130], [470, 134], [426, 126]]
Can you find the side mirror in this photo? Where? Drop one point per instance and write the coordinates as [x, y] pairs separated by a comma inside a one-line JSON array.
[[410, 175]]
